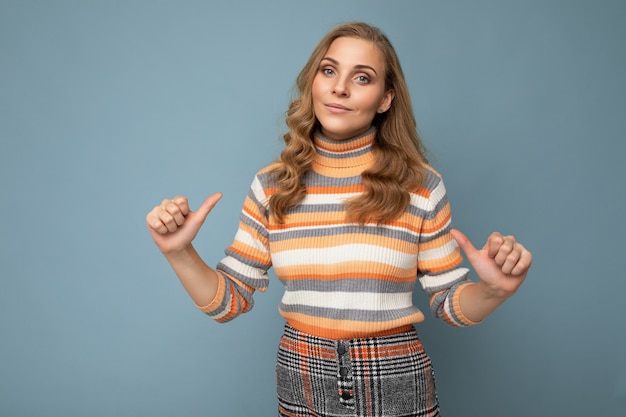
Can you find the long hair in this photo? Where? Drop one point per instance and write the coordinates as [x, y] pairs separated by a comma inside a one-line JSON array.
[[399, 153]]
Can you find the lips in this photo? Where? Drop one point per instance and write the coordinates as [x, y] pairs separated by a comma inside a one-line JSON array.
[[336, 108]]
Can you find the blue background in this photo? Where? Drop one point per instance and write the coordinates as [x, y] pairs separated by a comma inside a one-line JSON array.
[[106, 107]]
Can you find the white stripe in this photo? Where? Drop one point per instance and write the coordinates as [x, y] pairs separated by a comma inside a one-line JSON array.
[[419, 201], [224, 312], [245, 270], [430, 202], [437, 194], [249, 240], [438, 253], [349, 300], [259, 193], [334, 226], [447, 306], [313, 199], [442, 280], [343, 253]]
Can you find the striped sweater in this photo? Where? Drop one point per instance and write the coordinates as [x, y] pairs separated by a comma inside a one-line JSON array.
[[343, 280]]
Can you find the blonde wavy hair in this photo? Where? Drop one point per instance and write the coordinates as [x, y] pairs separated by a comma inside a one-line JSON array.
[[399, 153]]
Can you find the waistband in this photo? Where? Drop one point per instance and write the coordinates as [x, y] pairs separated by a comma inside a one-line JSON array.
[[391, 336]]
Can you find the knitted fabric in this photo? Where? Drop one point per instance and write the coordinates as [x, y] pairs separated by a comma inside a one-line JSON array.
[[343, 280]]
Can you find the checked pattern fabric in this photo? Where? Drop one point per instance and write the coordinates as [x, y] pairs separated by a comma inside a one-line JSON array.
[[389, 376]]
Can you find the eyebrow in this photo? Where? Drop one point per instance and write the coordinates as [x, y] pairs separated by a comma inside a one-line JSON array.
[[335, 62]]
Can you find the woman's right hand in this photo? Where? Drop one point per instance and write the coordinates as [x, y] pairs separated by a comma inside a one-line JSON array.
[[173, 225]]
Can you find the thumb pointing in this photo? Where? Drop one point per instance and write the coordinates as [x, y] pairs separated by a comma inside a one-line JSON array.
[[206, 207], [470, 251]]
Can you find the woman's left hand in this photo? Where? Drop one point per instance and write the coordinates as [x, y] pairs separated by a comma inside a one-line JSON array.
[[502, 263]]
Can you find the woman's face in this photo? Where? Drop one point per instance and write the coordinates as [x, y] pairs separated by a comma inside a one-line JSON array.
[[349, 88]]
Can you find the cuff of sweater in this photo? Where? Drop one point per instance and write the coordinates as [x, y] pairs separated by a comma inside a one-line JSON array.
[[456, 305], [219, 296]]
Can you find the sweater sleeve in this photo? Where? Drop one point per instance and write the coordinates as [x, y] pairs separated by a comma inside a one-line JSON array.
[[439, 258], [244, 268]]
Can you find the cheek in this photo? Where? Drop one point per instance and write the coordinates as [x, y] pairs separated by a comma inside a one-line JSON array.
[[316, 89], [370, 100], [371, 103]]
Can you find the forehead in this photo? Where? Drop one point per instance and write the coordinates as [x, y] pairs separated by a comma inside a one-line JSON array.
[[350, 52]]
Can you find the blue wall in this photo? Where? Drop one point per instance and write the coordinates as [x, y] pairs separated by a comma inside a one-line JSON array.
[[106, 107]]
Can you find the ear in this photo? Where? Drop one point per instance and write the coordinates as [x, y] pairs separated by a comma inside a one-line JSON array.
[[386, 101]]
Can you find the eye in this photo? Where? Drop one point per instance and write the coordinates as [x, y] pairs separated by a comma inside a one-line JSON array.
[[363, 79], [327, 71]]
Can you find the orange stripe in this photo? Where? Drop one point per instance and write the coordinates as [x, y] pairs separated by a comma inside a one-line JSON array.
[[423, 192], [356, 188], [233, 311], [407, 221], [456, 305], [253, 232], [333, 240], [335, 277], [436, 224], [345, 147], [250, 253], [251, 209], [346, 329], [219, 295], [348, 274], [439, 265]]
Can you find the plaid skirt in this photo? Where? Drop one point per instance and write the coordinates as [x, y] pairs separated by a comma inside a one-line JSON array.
[[387, 376]]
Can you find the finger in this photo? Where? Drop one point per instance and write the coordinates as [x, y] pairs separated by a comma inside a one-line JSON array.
[[504, 250], [174, 210], [154, 222], [206, 207], [511, 261], [182, 203], [167, 219], [524, 263], [493, 244], [465, 244]]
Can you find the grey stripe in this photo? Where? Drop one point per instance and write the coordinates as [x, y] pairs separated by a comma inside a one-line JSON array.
[[314, 179], [431, 180], [344, 155], [438, 303], [350, 285], [405, 236], [341, 314], [323, 138], [251, 281], [316, 208], [236, 307], [460, 280], [244, 218]]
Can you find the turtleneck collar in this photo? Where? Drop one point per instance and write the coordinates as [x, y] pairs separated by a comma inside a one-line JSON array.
[[344, 158]]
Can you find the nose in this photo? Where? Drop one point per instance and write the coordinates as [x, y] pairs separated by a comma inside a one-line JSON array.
[[340, 87]]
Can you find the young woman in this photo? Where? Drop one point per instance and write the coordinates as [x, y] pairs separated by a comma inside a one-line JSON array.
[[350, 218]]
